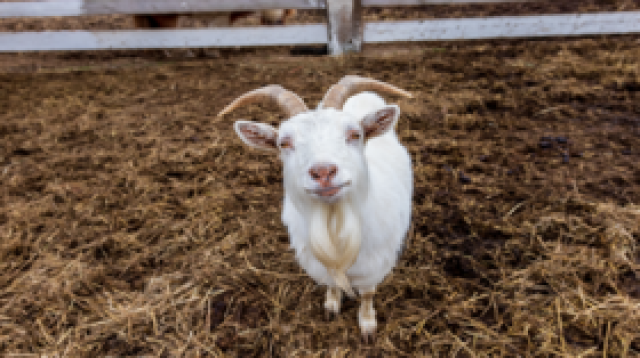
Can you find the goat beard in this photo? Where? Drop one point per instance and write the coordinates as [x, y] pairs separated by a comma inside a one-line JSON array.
[[335, 238]]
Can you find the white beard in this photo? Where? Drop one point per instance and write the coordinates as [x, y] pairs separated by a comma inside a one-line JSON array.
[[335, 237]]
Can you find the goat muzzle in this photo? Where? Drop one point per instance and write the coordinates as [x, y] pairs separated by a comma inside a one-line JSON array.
[[323, 173], [328, 191]]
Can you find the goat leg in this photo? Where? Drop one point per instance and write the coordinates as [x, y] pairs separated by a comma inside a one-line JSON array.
[[367, 316], [333, 302]]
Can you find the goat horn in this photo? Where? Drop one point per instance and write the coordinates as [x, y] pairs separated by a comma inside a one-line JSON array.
[[288, 101], [350, 85]]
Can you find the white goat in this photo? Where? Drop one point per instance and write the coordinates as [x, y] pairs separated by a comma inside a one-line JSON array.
[[348, 185]]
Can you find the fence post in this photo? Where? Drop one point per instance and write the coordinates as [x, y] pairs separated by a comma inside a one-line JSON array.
[[344, 23]]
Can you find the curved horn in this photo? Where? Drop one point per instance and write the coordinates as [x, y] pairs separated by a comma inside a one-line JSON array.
[[288, 101], [350, 85]]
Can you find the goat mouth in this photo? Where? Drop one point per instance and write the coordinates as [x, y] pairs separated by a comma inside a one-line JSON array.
[[328, 191]]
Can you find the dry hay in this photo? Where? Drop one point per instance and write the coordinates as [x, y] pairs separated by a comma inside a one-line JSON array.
[[133, 222]]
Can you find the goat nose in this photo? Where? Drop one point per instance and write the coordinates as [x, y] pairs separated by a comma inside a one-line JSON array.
[[323, 172]]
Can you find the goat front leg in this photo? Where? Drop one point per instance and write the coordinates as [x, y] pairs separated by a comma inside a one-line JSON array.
[[333, 302], [367, 315]]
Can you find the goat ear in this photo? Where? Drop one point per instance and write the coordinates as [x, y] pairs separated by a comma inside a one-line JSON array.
[[380, 121], [257, 135]]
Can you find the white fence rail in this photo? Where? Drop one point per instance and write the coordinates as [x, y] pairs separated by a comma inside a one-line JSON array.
[[344, 31], [111, 7], [148, 39], [375, 32], [504, 27]]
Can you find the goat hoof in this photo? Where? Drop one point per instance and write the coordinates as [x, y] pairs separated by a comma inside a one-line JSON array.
[[369, 338], [330, 315], [368, 330]]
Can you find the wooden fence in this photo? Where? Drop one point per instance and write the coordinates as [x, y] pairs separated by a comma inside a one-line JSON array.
[[344, 31]]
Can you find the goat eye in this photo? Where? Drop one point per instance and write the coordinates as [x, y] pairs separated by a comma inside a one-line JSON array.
[[353, 135], [286, 144]]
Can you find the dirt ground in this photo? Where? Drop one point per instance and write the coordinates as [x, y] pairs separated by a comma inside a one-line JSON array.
[[134, 222]]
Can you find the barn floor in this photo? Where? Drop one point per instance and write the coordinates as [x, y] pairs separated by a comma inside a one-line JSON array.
[[134, 222]]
